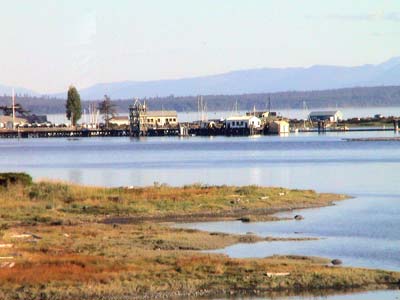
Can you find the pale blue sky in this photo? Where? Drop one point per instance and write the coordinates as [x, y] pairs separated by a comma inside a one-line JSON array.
[[46, 45]]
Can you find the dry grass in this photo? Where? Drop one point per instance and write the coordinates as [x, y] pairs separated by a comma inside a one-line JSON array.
[[54, 202], [66, 253]]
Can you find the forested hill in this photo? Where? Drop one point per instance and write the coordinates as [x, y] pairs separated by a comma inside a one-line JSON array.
[[347, 97]]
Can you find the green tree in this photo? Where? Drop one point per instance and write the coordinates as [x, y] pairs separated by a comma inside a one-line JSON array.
[[107, 109], [73, 106]]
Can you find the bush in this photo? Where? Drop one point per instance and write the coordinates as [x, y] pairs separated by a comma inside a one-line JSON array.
[[7, 179]]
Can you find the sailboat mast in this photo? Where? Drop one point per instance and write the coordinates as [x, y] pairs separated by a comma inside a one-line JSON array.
[[13, 108]]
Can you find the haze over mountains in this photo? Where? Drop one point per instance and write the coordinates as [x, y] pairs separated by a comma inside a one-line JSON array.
[[265, 80], [255, 81]]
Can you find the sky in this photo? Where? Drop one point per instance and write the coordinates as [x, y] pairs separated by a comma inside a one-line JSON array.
[[47, 45]]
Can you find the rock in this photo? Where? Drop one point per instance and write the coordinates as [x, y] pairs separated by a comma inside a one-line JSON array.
[[35, 236], [298, 217], [244, 219], [8, 265], [269, 274], [336, 262], [20, 236]]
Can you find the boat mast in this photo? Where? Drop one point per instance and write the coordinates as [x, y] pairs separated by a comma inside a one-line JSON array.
[[13, 108]]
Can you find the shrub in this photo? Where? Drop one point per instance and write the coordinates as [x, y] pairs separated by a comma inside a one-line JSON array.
[[7, 179]]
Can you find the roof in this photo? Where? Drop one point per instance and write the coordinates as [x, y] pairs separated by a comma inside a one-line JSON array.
[[324, 113], [5, 119], [162, 113], [240, 118]]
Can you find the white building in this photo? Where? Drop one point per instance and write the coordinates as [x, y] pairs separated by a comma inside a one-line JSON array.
[[160, 118], [7, 122], [153, 118], [119, 120], [243, 122], [330, 116], [278, 127]]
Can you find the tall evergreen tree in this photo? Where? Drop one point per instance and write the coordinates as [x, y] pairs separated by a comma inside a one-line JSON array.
[[73, 105], [107, 109]]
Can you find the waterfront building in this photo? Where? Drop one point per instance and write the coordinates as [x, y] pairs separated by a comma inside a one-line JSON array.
[[9, 122], [240, 122], [329, 116], [120, 120], [278, 127], [162, 118]]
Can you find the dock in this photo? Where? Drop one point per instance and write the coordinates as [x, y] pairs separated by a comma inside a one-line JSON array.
[[374, 139]]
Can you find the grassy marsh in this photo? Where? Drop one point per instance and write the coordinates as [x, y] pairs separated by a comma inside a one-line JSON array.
[[57, 246]]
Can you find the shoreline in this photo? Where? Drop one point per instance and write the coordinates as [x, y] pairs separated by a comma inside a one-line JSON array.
[[67, 241]]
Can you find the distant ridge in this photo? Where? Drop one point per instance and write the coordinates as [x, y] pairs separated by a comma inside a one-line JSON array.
[[266, 80], [347, 97], [253, 81]]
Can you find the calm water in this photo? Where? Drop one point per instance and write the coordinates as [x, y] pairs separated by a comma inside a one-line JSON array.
[[364, 231], [374, 295], [325, 163]]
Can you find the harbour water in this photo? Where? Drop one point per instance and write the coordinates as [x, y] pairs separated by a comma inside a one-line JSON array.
[[326, 162], [363, 231], [371, 295]]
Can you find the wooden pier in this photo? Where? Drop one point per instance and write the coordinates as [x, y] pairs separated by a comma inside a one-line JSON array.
[[71, 132], [60, 132]]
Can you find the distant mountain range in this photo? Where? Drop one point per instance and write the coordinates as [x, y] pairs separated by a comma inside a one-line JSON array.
[[265, 80]]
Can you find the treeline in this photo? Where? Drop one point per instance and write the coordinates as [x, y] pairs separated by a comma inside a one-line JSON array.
[[346, 97]]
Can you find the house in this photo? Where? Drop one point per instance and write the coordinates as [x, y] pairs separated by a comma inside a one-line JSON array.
[[330, 116], [161, 118], [7, 122], [243, 122], [278, 127], [262, 114], [119, 120]]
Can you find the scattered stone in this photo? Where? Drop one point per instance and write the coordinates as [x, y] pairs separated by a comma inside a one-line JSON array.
[[244, 219], [20, 236], [6, 245], [298, 217], [281, 194], [35, 236], [26, 235], [56, 223], [264, 198], [7, 264], [277, 274], [336, 262]]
